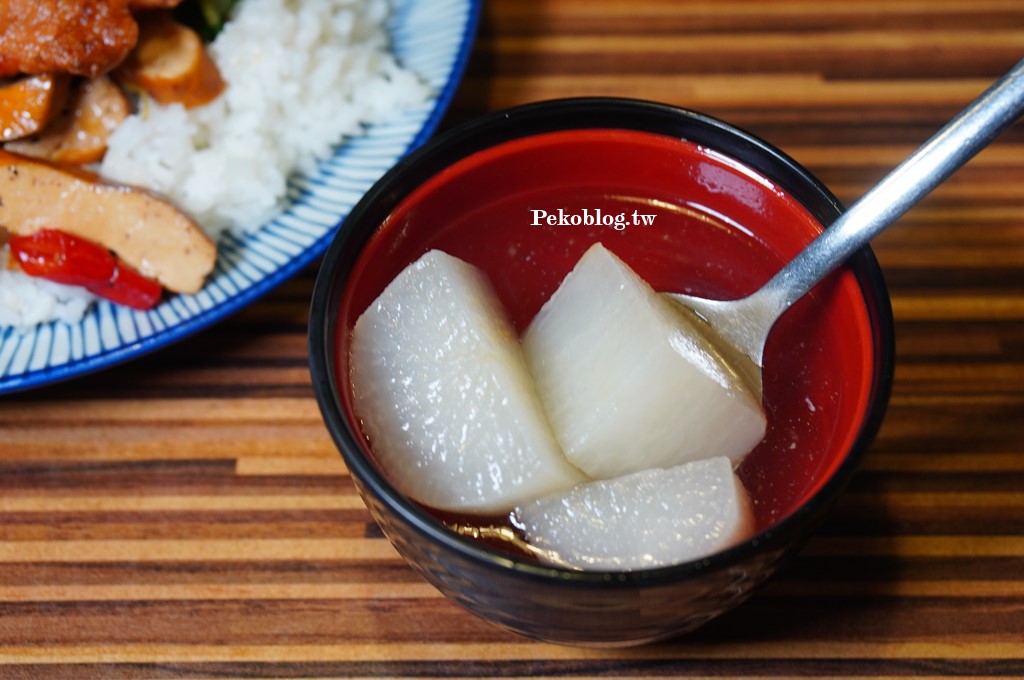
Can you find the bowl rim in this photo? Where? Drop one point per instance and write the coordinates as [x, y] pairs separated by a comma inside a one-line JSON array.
[[547, 116]]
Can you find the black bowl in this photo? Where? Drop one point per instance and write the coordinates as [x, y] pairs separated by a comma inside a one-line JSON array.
[[849, 316]]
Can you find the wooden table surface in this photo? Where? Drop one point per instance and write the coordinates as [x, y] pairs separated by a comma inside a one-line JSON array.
[[186, 515]]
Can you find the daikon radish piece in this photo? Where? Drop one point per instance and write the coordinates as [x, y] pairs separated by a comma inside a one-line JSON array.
[[629, 381], [647, 519], [442, 391]]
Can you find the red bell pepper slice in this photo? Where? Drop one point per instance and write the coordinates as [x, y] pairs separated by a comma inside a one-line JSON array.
[[130, 288], [62, 257]]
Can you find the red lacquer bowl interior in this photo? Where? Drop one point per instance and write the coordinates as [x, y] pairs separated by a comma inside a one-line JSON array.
[[718, 230]]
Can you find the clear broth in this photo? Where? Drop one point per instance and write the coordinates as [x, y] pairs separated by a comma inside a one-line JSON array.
[[719, 230]]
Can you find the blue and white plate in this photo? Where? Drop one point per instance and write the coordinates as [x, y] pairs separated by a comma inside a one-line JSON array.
[[431, 37]]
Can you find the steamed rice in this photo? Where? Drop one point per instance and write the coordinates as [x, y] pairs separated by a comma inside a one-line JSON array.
[[26, 301], [302, 75]]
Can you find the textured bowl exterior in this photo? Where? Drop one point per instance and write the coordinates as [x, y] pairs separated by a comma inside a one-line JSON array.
[[569, 607], [591, 612]]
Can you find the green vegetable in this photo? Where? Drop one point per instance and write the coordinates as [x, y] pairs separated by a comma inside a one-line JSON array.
[[207, 17]]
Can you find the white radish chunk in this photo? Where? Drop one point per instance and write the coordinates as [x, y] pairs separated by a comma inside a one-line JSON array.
[[441, 387], [628, 381], [647, 519]]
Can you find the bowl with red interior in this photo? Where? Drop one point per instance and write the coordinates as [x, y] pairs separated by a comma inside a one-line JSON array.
[[537, 428]]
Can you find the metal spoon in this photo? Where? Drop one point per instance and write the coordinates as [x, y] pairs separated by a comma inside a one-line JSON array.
[[745, 323]]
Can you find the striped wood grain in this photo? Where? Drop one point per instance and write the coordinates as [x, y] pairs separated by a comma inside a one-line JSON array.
[[187, 515]]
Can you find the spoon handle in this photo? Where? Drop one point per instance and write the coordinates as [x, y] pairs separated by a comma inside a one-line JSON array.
[[952, 146]]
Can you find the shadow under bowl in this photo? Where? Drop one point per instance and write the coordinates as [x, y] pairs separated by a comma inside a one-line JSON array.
[[692, 204]]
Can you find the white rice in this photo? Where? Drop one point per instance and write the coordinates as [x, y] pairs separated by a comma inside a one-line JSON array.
[[302, 75], [26, 301]]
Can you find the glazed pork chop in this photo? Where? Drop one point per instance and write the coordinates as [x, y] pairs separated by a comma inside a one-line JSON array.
[[80, 37]]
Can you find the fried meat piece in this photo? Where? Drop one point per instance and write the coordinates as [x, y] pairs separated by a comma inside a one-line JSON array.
[[81, 37]]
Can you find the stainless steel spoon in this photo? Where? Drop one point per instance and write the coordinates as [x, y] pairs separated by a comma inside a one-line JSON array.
[[745, 323]]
